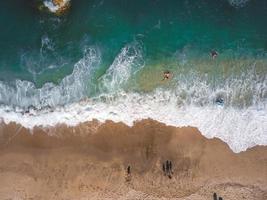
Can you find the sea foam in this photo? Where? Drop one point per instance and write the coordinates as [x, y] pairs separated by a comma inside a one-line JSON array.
[[239, 128], [74, 87], [234, 111]]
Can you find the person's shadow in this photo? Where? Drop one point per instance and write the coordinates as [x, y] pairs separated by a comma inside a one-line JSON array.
[[128, 174]]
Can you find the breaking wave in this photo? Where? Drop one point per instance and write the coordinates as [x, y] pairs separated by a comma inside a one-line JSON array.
[[240, 128], [24, 94], [129, 61], [233, 110]]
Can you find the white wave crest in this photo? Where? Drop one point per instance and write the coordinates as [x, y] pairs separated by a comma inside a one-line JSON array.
[[233, 110], [240, 128], [248, 89], [72, 88], [129, 61]]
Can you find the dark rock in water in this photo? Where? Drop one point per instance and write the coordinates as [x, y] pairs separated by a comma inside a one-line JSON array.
[[30, 109], [58, 7], [63, 6], [219, 100]]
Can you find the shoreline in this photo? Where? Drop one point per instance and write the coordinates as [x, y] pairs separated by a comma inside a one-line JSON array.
[[248, 129], [89, 161]]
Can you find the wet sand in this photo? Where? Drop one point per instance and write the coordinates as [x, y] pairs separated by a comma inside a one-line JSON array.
[[89, 161]]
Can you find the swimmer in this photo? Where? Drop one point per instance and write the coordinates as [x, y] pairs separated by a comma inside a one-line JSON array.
[[166, 75], [213, 54]]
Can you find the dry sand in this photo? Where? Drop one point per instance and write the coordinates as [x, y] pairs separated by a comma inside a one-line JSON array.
[[89, 162]]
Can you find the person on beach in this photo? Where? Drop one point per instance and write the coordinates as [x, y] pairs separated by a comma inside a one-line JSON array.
[[167, 166], [214, 196], [213, 54], [166, 75], [128, 176], [129, 170]]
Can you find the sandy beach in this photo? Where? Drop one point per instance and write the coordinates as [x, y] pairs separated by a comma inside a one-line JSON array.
[[89, 161]]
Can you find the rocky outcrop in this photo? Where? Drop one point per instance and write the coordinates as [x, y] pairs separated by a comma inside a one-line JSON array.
[[57, 6], [63, 5]]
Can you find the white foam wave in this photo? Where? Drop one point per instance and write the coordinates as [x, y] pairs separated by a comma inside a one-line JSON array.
[[72, 88], [240, 128], [77, 85], [246, 90], [240, 119], [129, 61]]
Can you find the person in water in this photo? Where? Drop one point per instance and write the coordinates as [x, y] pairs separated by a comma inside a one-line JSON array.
[[166, 75], [213, 54]]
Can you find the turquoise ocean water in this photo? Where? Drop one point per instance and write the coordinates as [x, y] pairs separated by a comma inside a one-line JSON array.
[[113, 52]]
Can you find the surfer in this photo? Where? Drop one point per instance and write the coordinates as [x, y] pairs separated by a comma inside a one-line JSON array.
[[213, 54], [166, 75]]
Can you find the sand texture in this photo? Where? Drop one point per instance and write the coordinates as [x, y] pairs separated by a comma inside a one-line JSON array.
[[89, 161]]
